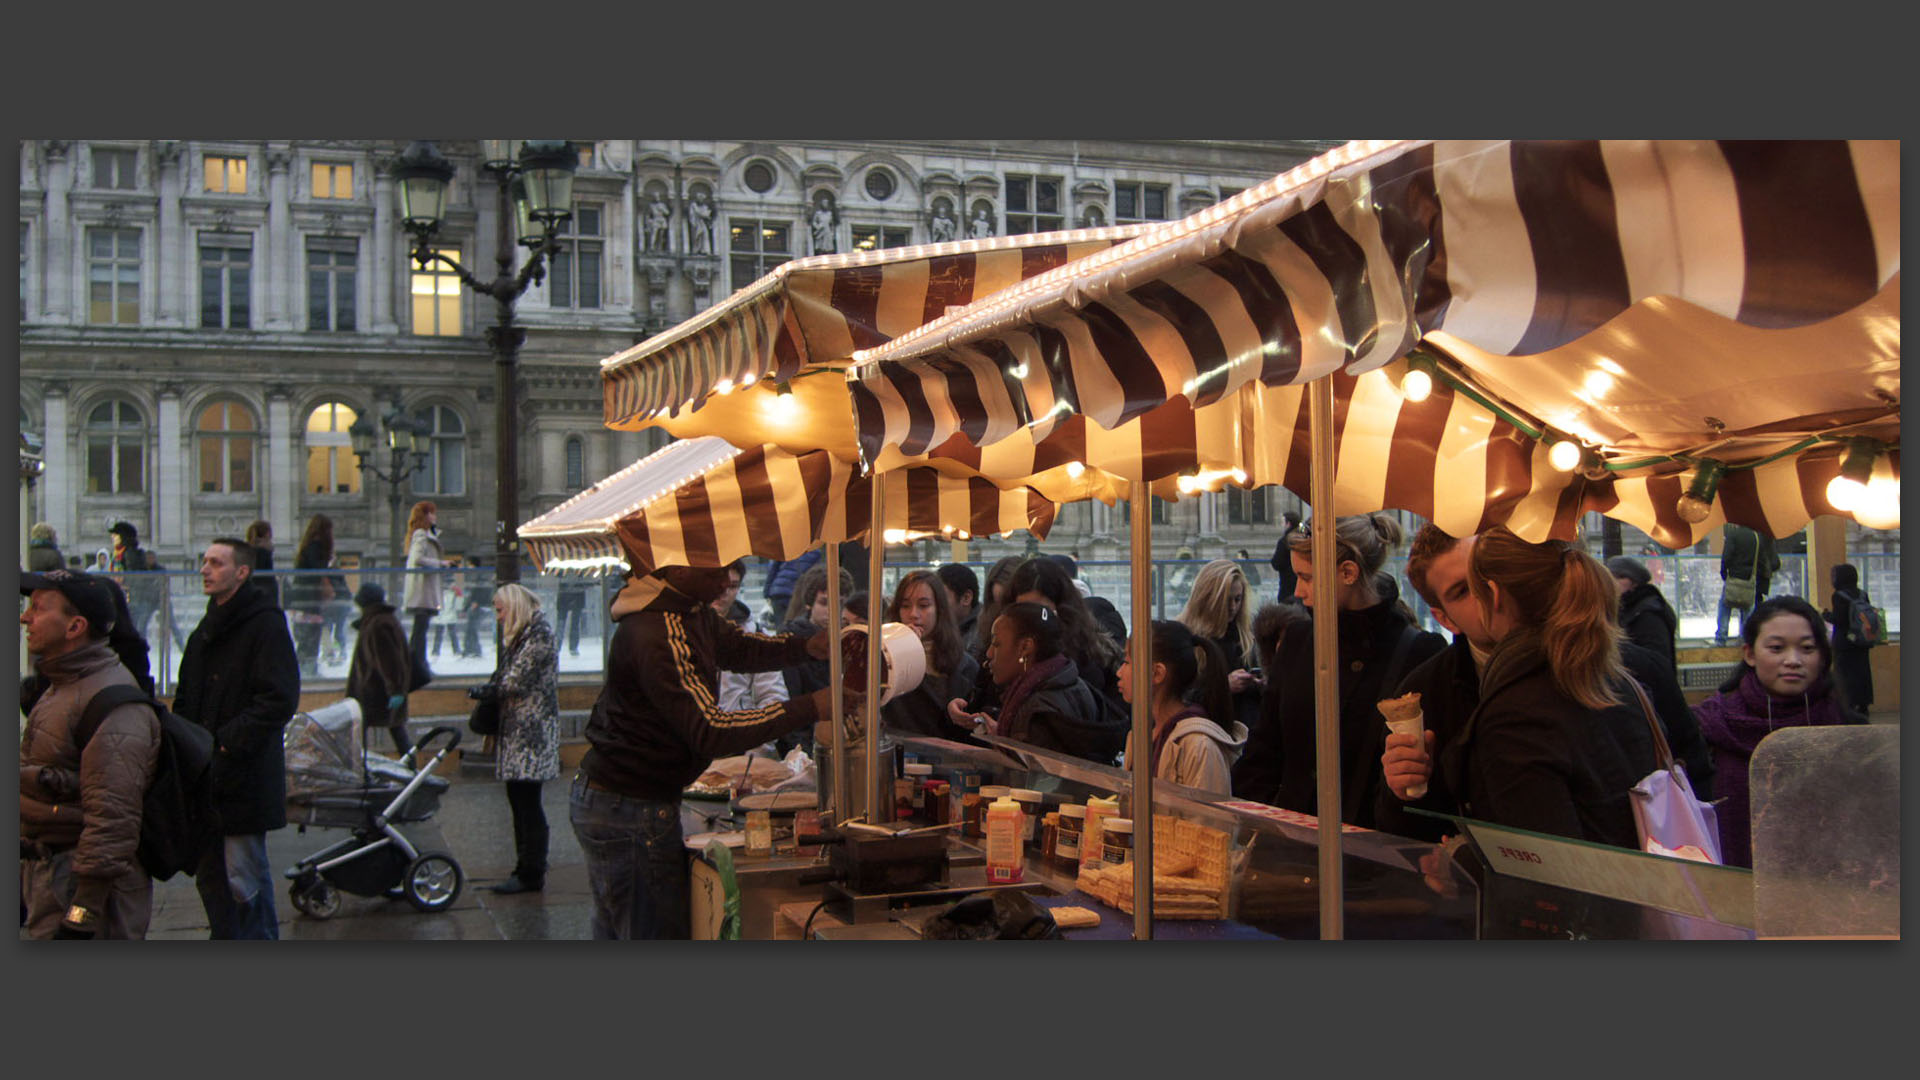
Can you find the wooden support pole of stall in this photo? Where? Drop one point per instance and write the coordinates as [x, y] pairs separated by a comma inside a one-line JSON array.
[[1140, 748], [878, 796], [842, 793], [1326, 658]]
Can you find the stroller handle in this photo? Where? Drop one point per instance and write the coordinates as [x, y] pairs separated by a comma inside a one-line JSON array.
[[443, 729]]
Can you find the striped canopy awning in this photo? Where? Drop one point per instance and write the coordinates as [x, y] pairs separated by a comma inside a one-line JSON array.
[[1656, 302], [704, 502], [721, 372]]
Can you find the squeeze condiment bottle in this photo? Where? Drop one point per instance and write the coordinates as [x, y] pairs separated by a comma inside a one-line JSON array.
[[1098, 810], [1030, 803], [1005, 861], [988, 794]]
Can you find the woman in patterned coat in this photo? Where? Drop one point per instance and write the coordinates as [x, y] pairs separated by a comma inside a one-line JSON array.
[[527, 750]]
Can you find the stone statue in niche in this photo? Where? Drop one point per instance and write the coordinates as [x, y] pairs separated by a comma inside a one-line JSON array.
[[980, 227], [699, 224], [821, 223], [1094, 219], [942, 228], [657, 217]]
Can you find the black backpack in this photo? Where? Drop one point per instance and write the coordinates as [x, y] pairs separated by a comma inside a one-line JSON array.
[[178, 821]]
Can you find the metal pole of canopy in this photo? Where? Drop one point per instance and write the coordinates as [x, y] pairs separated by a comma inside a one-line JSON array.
[[876, 558], [842, 793], [1326, 657], [1140, 750]]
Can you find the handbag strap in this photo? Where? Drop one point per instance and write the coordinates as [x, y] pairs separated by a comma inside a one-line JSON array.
[[1660, 749]]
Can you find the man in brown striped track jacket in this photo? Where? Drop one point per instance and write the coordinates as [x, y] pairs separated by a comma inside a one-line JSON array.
[[655, 728]]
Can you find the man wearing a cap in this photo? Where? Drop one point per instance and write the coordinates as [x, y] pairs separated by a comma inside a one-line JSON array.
[[80, 807], [239, 679], [377, 677]]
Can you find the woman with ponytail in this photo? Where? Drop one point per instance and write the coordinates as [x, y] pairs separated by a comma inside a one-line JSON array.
[[1379, 644], [1559, 737], [1189, 746]]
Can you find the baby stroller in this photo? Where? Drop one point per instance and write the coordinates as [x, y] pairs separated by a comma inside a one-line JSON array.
[[334, 783]]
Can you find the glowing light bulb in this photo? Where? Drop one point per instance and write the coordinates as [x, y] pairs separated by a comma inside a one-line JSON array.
[[1845, 493], [747, 380], [963, 534], [1188, 484], [1564, 455], [1879, 507], [785, 407], [1416, 386], [724, 386], [1075, 469], [1239, 476], [894, 536]]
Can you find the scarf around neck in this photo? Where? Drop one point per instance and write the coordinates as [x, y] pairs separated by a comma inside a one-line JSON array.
[[1024, 685]]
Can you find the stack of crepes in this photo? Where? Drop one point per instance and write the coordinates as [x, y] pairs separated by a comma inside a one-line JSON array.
[[1190, 873]]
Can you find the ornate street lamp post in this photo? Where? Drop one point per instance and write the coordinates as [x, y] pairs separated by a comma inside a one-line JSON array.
[[405, 457], [535, 181]]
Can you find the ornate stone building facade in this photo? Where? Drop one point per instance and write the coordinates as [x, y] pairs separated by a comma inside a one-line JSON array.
[[202, 320]]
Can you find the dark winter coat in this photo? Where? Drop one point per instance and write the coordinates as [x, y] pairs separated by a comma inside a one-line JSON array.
[[784, 576], [1748, 554], [1282, 562], [1063, 713], [809, 674], [264, 576], [1277, 766], [1650, 622], [305, 591], [1734, 722], [380, 668], [43, 555], [923, 710], [657, 723], [1449, 689], [1533, 758], [1852, 663], [239, 679]]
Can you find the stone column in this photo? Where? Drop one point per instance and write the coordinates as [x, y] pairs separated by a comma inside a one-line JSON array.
[[1208, 514], [173, 247], [550, 465], [60, 484], [169, 476], [384, 275], [680, 296], [280, 252], [280, 478], [56, 300]]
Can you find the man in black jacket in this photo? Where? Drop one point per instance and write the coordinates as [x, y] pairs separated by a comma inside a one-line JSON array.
[[239, 679], [1449, 688], [1744, 556], [1649, 621], [656, 727]]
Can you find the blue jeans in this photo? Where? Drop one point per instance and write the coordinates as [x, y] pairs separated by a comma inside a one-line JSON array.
[[636, 864], [1723, 610], [236, 888]]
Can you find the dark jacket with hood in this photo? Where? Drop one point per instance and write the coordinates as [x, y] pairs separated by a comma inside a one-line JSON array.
[[1650, 622], [240, 680], [923, 710], [380, 668], [1534, 758], [1734, 721], [1063, 713], [1449, 689], [1277, 766]]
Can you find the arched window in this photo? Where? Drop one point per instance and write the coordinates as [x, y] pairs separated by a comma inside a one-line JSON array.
[[445, 442], [331, 469], [228, 438], [116, 437], [576, 463]]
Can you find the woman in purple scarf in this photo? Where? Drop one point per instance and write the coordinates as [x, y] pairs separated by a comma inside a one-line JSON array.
[[1043, 700], [1785, 680]]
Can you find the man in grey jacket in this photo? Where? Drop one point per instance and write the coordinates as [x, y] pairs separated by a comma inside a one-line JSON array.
[[80, 806]]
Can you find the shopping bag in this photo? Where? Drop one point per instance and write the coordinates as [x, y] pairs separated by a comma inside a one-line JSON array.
[[1667, 815]]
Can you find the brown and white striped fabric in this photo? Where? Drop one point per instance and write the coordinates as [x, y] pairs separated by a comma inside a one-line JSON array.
[[1542, 262], [815, 312], [701, 502]]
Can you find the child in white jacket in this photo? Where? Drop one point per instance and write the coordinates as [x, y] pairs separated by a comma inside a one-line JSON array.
[[1189, 746]]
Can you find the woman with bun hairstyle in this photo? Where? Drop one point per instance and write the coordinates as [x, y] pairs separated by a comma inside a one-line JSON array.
[[1785, 679], [1194, 742], [1560, 736], [1379, 644]]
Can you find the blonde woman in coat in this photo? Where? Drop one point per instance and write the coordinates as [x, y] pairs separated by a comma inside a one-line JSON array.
[[527, 751], [421, 598]]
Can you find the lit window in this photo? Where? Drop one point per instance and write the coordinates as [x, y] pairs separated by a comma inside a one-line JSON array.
[[113, 276], [869, 237], [114, 168], [573, 274], [226, 282], [1137, 202], [436, 297], [331, 469], [576, 464], [446, 447], [116, 449], [227, 438], [332, 181], [332, 273], [1033, 204], [755, 247], [226, 175]]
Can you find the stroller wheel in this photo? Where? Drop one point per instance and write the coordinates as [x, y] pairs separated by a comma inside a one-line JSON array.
[[432, 882], [319, 899]]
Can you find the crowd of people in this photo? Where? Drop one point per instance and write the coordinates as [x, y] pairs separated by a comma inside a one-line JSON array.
[[1541, 712]]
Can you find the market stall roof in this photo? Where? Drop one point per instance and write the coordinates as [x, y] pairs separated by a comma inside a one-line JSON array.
[[704, 502], [725, 371], [1667, 307]]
